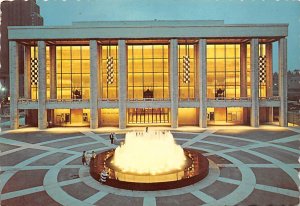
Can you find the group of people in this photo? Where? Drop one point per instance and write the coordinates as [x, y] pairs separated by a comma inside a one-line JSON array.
[[86, 157]]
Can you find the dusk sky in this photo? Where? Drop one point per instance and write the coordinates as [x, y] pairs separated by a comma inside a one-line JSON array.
[[64, 12]]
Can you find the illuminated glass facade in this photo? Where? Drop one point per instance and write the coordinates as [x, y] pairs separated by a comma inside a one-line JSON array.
[[73, 72], [151, 80]]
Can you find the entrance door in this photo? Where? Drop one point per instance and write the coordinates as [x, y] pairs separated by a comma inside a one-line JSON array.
[[148, 116]]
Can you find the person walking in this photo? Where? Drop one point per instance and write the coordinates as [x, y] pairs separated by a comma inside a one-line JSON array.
[[111, 137], [83, 158], [94, 158]]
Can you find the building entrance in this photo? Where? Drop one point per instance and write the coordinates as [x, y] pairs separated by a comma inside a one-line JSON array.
[[148, 116]]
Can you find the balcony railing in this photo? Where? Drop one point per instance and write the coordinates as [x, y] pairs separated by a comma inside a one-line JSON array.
[[108, 100], [148, 99], [274, 98], [27, 101], [189, 99], [67, 100], [229, 99]]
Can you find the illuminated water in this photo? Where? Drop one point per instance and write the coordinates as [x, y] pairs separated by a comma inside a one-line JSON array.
[[152, 152]]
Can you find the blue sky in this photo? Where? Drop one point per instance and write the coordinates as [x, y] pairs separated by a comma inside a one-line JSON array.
[[59, 12]]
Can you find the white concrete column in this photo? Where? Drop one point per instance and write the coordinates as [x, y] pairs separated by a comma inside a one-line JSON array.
[[94, 90], [53, 85], [14, 84], [269, 78], [203, 82], [243, 77], [27, 66], [174, 82], [243, 74], [282, 47], [53, 91], [254, 83], [42, 93], [122, 76]]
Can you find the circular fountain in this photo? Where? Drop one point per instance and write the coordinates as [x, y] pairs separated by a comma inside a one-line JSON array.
[[150, 161]]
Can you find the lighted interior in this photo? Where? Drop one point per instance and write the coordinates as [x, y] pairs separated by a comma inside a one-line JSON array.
[[152, 152]]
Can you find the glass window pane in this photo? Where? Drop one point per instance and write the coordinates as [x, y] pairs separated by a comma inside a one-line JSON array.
[[210, 78], [58, 52], [66, 80], [85, 80], [76, 52], [85, 93], [230, 51], [220, 64], [85, 52], [85, 66], [76, 66], [76, 80], [66, 93], [210, 51], [220, 51], [230, 64], [66, 52], [66, 66]]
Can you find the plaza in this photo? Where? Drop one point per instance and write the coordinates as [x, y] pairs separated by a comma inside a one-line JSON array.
[[248, 166]]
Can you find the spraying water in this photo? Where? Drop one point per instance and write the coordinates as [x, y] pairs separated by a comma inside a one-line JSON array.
[[152, 152]]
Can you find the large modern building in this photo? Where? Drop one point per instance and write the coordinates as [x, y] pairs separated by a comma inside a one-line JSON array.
[[15, 13], [132, 73]]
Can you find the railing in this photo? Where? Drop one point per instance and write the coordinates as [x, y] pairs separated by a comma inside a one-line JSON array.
[[274, 98], [229, 99], [189, 99], [149, 99], [108, 100], [67, 100], [27, 101]]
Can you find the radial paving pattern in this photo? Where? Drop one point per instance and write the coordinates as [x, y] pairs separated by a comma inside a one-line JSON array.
[[247, 167]]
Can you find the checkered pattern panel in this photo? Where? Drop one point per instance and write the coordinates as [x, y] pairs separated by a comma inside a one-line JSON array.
[[262, 69], [186, 69], [110, 70], [34, 71]]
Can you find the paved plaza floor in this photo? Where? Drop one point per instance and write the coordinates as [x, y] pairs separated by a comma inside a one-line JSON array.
[[248, 166]]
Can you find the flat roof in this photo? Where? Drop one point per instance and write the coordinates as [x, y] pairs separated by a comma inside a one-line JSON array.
[[148, 30], [148, 23]]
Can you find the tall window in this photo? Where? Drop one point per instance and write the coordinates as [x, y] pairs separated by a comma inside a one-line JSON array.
[[73, 72], [223, 71], [186, 71], [109, 72], [148, 71]]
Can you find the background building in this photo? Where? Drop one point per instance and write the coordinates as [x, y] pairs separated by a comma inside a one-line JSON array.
[[149, 72], [15, 13]]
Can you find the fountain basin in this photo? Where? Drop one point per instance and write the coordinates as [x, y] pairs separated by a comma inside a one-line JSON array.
[[195, 170]]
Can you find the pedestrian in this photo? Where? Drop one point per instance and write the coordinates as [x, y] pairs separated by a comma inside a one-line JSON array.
[[111, 137], [146, 129], [103, 176], [83, 158], [94, 158], [93, 154]]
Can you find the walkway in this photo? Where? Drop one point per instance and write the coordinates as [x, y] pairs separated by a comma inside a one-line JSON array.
[[247, 167]]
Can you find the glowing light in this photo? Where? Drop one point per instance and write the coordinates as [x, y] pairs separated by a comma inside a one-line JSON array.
[[152, 152]]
